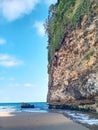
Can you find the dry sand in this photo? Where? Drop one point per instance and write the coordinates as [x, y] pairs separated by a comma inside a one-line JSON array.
[[37, 121]]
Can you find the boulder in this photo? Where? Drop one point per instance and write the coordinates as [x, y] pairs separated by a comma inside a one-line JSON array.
[[26, 105]]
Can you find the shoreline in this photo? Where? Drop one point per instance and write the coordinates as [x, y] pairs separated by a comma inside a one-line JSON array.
[[88, 120], [37, 121]]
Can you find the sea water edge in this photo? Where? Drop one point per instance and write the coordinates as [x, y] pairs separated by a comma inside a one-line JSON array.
[[16, 107], [86, 118]]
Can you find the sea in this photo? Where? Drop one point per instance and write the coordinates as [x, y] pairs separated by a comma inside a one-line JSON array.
[[16, 107], [87, 119]]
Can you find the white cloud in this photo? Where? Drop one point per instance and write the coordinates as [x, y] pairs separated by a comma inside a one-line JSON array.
[[14, 9], [15, 85], [21, 85], [28, 85], [2, 41], [40, 28], [9, 61], [49, 2]]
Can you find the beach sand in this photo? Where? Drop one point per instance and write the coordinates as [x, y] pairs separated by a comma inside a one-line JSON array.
[[37, 121]]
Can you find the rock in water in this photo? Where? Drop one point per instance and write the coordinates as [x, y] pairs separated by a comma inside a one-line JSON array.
[[26, 105]]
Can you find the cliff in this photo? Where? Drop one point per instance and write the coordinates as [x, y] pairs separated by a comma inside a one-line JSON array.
[[73, 55]]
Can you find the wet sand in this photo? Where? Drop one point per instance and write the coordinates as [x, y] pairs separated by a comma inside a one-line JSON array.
[[37, 121]]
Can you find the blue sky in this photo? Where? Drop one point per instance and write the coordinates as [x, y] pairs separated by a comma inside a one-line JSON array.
[[23, 53]]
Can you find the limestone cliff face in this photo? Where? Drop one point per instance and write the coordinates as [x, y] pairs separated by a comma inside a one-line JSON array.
[[73, 70]]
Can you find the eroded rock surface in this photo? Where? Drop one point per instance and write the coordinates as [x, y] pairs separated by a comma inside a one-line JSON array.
[[73, 71]]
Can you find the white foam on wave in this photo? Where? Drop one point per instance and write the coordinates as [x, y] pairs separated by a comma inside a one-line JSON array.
[[33, 110], [14, 109], [8, 109], [82, 118]]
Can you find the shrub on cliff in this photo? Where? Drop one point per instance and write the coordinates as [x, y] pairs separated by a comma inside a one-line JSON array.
[[64, 14]]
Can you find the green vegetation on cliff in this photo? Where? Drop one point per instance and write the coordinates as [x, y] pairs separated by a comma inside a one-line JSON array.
[[64, 14]]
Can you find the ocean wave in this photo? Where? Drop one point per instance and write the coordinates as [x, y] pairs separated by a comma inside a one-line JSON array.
[[81, 117], [7, 109], [16, 107]]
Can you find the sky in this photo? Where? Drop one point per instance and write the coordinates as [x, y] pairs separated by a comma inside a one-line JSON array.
[[23, 50]]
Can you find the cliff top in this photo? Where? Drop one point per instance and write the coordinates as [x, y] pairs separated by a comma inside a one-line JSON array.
[[63, 15]]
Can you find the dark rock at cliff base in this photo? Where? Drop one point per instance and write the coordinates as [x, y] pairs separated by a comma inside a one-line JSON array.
[[27, 105], [69, 107]]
